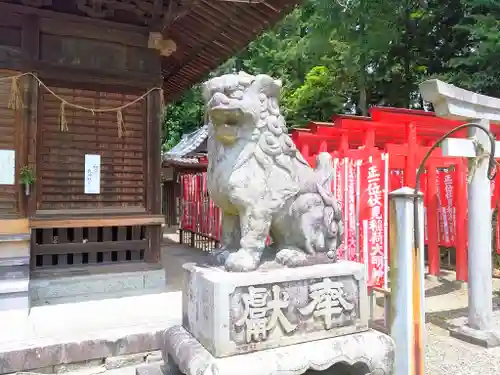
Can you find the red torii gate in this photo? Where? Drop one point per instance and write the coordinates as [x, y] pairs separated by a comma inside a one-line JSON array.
[[406, 135]]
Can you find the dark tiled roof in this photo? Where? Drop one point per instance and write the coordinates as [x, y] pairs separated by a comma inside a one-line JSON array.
[[189, 144]]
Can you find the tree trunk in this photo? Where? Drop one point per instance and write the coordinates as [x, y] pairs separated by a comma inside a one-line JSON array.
[[363, 101], [407, 55]]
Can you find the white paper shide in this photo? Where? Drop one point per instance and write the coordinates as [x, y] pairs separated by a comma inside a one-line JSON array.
[[7, 167], [92, 174]]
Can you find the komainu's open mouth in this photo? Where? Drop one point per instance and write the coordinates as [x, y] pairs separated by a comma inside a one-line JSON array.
[[222, 115], [226, 122]]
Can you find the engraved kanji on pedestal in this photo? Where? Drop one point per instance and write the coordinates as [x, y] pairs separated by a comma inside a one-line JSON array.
[[255, 318], [328, 301]]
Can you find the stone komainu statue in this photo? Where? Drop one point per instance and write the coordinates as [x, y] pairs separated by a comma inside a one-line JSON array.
[[262, 183]]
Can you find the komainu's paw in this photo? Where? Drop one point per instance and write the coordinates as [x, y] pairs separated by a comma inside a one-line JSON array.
[[242, 261], [218, 257], [291, 257]]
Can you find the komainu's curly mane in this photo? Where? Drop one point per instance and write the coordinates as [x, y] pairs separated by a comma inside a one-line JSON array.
[[261, 181]]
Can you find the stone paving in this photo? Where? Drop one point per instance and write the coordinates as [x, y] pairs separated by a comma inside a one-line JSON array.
[[446, 305]]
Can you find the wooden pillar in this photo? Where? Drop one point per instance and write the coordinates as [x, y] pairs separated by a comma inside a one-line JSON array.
[[369, 139], [411, 165], [154, 174], [344, 144]]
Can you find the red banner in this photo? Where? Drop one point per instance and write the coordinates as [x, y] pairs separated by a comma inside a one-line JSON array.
[[351, 209], [199, 213], [372, 219], [449, 178], [339, 193], [187, 182]]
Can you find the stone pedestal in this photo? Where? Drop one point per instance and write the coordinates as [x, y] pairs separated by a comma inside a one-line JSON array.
[[288, 319], [14, 283], [487, 339]]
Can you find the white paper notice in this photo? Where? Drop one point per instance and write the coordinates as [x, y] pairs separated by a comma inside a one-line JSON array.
[[7, 167], [92, 174]]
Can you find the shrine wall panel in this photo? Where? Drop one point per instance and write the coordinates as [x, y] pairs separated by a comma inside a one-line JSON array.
[[10, 47], [10, 121], [98, 55], [61, 154]]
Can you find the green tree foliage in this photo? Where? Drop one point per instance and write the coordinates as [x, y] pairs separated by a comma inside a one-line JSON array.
[[183, 116], [347, 55], [313, 99], [476, 65]]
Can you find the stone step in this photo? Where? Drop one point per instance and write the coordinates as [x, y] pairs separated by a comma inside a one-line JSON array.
[[95, 283], [14, 275], [109, 332]]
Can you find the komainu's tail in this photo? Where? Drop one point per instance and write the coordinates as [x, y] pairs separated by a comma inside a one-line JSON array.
[[331, 202], [324, 170]]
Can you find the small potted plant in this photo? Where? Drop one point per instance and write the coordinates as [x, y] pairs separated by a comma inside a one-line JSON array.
[[27, 178]]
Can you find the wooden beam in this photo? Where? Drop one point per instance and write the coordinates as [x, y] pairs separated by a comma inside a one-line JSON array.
[[14, 226], [92, 212], [104, 24], [89, 247], [68, 74], [117, 221], [88, 30]]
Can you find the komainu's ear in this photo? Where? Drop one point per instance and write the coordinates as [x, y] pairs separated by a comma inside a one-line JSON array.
[[269, 86]]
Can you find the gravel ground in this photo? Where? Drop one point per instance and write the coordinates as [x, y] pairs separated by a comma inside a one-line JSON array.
[[446, 305], [446, 355]]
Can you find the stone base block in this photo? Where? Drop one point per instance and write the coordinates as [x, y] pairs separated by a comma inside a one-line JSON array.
[[18, 300], [487, 339], [36, 353], [14, 282], [234, 313], [14, 247], [16, 329], [124, 280], [364, 352]]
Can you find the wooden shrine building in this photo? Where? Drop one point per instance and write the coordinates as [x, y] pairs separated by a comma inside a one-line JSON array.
[[82, 84], [188, 156]]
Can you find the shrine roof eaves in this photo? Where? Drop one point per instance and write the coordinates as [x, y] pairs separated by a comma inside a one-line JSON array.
[[211, 33], [205, 32], [188, 144]]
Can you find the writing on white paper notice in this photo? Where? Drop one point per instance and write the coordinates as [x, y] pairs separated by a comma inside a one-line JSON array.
[[92, 174], [7, 167]]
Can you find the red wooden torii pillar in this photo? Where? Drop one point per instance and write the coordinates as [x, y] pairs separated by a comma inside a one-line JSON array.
[[410, 132]]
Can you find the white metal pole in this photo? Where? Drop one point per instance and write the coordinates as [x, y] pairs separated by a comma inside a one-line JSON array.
[[402, 280]]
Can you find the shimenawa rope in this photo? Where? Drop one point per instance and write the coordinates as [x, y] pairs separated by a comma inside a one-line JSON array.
[[16, 102]]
